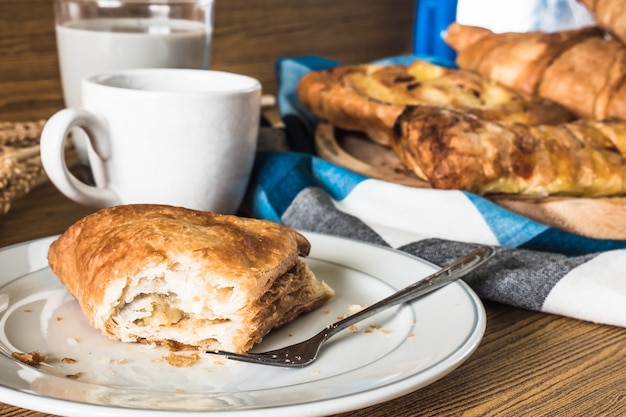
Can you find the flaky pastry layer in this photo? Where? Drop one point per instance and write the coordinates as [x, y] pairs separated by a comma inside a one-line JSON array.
[[184, 278]]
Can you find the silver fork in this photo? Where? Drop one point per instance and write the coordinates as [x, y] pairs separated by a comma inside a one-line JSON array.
[[305, 352]]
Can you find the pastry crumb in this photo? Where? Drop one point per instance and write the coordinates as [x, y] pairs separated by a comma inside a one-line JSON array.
[[33, 358], [352, 309], [68, 360], [371, 328], [180, 360], [74, 376], [355, 308]]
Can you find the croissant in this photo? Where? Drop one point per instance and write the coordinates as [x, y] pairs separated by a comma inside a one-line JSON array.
[[456, 150], [580, 69], [610, 15]]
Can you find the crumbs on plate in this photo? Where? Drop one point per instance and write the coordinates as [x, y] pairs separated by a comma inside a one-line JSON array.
[[33, 358], [180, 360], [355, 308], [218, 362], [371, 328]]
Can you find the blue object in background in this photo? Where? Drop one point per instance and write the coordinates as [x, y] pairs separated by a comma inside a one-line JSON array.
[[431, 21]]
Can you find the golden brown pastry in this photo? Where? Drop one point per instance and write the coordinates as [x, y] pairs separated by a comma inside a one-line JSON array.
[[579, 69], [610, 15], [369, 98], [184, 278], [455, 150]]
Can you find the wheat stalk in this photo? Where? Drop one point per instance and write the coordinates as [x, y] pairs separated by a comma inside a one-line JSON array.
[[20, 164], [21, 134]]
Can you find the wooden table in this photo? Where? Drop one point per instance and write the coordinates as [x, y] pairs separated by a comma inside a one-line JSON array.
[[528, 364]]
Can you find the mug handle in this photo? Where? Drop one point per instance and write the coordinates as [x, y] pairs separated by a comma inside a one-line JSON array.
[[52, 149]]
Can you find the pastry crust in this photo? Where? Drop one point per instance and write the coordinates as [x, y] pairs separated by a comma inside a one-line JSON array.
[[368, 98], [455, 150], [610, 15], [184, 278], [580, 69], [517, 60]]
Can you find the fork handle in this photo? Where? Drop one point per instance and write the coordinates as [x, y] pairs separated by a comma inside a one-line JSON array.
[[452, 272]]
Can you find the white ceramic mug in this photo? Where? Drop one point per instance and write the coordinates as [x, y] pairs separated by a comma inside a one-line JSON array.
[[170, 136]]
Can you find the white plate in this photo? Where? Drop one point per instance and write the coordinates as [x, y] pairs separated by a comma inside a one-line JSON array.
[[391, 354]]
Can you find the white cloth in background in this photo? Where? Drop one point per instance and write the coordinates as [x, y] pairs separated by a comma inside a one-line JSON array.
[[523, 15]]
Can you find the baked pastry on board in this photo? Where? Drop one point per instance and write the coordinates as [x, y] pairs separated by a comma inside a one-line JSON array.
[[600, 218], [584, 146], [456, 150], [368, 98], [185, 279], [471, 134]]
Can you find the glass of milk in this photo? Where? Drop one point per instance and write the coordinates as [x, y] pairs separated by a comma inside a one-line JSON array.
[[96, 36]]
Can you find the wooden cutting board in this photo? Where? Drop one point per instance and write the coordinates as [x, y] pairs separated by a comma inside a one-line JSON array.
[[602, 218]]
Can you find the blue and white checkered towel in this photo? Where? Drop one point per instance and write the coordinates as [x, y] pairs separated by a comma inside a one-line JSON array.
[[536, 267]]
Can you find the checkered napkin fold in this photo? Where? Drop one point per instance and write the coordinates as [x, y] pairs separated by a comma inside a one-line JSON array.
[[536, 267]]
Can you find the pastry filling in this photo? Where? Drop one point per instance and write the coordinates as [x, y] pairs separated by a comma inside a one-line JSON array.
[[164, 308]]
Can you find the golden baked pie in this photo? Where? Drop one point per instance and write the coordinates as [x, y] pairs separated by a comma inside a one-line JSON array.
[[456, 150], [369, 98], [184, 278]]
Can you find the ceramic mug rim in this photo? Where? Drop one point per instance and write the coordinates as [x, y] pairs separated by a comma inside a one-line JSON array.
[[181, 81]]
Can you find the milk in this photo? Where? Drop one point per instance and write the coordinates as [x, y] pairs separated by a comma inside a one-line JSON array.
[[88, 47]]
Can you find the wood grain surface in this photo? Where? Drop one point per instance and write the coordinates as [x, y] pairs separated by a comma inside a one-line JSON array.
[[528, 364], [249, 36], [601, 218]]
